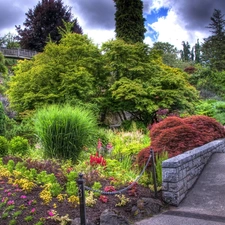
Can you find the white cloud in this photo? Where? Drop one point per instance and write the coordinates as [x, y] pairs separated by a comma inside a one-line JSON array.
[[99, 36], [171, 29], [148, 41]]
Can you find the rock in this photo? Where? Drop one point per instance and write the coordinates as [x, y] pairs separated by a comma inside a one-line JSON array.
[[146, 207], [76, 221], [110, 217]]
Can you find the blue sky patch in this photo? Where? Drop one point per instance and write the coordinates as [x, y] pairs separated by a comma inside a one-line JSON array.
[[152, 18]]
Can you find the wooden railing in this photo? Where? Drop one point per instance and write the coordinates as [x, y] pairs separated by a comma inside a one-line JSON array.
[[17, 53]]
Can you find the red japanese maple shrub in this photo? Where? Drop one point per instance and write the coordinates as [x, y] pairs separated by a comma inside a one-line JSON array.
[[176, 135], [178, 139], [209, 127], [169, 122]]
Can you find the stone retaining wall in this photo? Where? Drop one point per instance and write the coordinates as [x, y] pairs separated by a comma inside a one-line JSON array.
[[180, 172]]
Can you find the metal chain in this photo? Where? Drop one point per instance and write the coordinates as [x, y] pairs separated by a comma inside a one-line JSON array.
[[124, 189]]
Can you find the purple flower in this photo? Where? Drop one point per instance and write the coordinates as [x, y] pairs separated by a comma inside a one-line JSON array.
[[10, 202], [23, 196], [33, 210], [50, 213]]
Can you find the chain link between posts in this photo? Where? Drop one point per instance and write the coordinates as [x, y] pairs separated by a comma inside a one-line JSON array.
[[124, 189]]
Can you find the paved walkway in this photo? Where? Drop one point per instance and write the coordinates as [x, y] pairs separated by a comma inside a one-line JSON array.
[[205, 202]]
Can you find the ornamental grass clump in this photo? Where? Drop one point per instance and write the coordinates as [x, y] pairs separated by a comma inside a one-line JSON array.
[[64, 130]]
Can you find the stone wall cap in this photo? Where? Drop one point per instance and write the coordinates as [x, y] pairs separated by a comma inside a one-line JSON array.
[[187, 156]]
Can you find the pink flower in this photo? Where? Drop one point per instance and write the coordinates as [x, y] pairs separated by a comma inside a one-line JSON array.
[[50, 213], [4, 199], [10, 202], [9, 193], [99, 144], [33, 210], [23, 196], [30, 202], [18, 190]]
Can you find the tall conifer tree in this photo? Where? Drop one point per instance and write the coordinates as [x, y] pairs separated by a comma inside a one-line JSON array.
[[214, 46], [129, 20]]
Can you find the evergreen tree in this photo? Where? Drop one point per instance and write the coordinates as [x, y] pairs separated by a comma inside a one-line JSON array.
[[214, 46], [197, 52], [129, 20], [42, 23], [186, 53]]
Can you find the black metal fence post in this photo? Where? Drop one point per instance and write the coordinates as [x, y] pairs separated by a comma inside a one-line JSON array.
[[154, 172], [80, 183]]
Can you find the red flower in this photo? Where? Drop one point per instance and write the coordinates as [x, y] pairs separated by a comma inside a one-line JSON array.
[[103, 198], [109, 188], [97, 160]]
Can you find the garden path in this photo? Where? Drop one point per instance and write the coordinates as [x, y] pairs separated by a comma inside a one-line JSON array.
[[205, 202]]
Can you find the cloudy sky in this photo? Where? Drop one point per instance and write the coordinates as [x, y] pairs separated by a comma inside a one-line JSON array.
[[170, 21]]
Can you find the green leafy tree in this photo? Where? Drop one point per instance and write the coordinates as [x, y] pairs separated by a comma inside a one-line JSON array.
[[210, 83], [42, 22], [9, 41], [214, 46], [169, 53], [129, 20], [69, 71], [141, 84]]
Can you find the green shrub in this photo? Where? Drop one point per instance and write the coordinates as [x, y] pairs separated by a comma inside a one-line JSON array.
[[18, 145], [212, 108], [25, 129], [2, 120], [64, 130], [3, 146]]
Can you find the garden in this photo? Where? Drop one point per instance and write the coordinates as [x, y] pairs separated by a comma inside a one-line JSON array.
[[78, 108], [38, 174]]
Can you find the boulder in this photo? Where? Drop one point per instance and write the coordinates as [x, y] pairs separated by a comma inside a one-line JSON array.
[[111, 217]]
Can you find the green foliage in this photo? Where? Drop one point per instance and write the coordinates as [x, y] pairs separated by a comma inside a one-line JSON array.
[[127, 144], [71, 188], [64, 72], [3, 68], [141, 84], [65, 130], [168, 52], [210, 83], [11, 165], [55, 189], [96, 186], [24, 128], [159, 158], [132, 125], [18, 145], [3, 146], [2, 120], [129, 20], [212, 108], [72, 176]]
